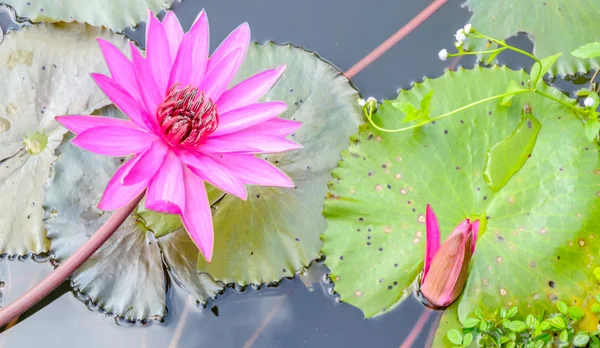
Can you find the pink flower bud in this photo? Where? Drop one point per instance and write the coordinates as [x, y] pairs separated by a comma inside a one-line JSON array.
[[445, 270]]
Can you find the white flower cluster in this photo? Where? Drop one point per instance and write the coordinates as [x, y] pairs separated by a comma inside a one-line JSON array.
[[460, 36]]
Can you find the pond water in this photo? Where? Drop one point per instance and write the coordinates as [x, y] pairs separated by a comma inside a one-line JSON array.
[[300, 312]]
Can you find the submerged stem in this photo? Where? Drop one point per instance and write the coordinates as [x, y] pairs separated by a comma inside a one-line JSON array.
[[65, 269]]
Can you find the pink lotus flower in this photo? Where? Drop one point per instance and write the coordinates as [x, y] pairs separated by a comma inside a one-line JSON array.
[[445, 269], [185, 126]]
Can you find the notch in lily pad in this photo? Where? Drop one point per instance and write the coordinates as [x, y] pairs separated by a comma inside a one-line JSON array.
[[412, 113]]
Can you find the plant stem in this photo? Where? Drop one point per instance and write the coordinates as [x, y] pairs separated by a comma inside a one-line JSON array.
[[369, 117], [65, 269], [572, 106]]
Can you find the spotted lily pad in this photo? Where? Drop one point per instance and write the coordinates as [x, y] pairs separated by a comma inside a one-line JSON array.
[[113, 14], [537, 242], [126, 276], [573, 22], [44, 71], [275, 233]]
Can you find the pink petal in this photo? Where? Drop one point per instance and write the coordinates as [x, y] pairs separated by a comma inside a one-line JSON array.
[[197, 217], [121, 98], [247, 143], [464, 227], [174, 32], [433, 239], [81, 123], [189, 67], [248, 116], [147, 86], [475, 229], [239, 38], [277, 126], [218, 78], [148, 163], [158, 52], [255, 171], [116, 194], [114, 141], [210, 170], [250, 90], [166, 192], [120, 68]]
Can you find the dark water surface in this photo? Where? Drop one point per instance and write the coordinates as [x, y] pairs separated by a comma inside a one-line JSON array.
[[302, 312]]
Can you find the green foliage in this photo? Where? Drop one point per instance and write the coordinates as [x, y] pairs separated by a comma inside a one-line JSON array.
[[554, 26], [591, 50], [412, 113], [546, 212], [501, 329]]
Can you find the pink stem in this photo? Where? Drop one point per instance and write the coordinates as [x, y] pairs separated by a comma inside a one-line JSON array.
[[394, 39], [65, 269], [416, 330]]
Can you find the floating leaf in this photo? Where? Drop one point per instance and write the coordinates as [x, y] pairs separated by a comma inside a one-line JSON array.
[[275, 233], [181, 256], [509, 155], [591, 50], [113, 14], [555, 26], [539, 226], [44, 71]]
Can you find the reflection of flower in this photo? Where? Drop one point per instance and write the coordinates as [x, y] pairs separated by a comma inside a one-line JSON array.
[[445, 268], [185, 126]]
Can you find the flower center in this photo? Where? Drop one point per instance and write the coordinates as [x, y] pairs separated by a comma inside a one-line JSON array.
[[186, 117]]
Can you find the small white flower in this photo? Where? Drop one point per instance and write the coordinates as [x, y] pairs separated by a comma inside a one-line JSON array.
[[361, 102], [460, 36], [588, 102], [467, 28], [443, 55], [371, 100]]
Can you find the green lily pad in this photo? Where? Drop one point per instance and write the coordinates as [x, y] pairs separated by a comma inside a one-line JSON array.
[[555, 26], [44, 71], [275, 233], [126, 276], [113, 14], [539, 243]]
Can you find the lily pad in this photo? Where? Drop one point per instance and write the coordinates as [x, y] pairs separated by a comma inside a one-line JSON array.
[[113, 14], [275, 233], [572, 21], [126, 276], [537, 243], [44, 71]]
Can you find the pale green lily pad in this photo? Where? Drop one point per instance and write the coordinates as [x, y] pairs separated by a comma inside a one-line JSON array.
[[126, 276], [44, 71], [555, 26], [180, 254], [275, 233], [539, 244], [113, 14]]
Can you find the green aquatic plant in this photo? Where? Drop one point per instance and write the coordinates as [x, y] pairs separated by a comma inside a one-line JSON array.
[[504, 328], [541, 67]]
